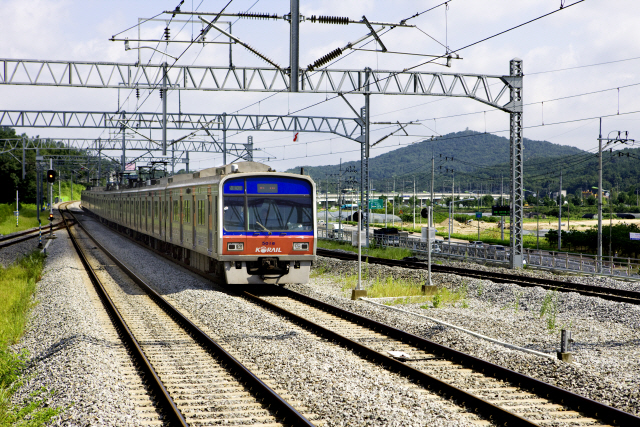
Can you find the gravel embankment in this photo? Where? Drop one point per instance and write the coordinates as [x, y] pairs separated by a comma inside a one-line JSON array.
[[9, 254], [332, 382], [606, 334], [73, 352], [630, 285]]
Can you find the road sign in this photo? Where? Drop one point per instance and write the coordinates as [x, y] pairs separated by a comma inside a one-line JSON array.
[[634, 236], [500, 210], [376, 204], [424, 213], [478, 215]]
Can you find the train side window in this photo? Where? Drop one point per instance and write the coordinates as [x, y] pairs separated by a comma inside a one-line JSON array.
[[200, 212], [187, 211], [176, 211]]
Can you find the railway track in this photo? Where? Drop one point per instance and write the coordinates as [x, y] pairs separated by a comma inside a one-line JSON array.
[[192, 379], [498, 394], [612, 294], [23, 236]]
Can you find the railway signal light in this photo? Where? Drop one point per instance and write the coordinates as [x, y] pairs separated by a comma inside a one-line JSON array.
[[51, 175], [51, 217]]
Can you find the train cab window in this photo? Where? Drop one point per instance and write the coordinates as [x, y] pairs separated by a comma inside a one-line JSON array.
[[187, 211], [280, 213], [233, 213]]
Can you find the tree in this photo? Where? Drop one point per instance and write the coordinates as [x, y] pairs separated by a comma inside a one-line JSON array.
[[623, 197], [487, 200], [591, 200]]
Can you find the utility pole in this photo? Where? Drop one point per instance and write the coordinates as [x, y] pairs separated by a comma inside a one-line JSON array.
[[433, 170], [294, 52], [163, 93], [414, 202], [224, 138], [560, 213], [599, 260], [453, 187], [99, 162], [501, 204], [124, 150], [608, 140]]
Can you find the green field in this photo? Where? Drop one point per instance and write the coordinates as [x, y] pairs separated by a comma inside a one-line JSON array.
[[28, 215], [27, 218], [388, 253]]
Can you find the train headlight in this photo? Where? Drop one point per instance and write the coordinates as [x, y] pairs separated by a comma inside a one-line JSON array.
[[235, 246], [300, 246]]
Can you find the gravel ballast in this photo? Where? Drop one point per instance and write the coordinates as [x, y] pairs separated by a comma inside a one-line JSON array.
[[332, 382], [606, 333], [344, 390], [74, 352]]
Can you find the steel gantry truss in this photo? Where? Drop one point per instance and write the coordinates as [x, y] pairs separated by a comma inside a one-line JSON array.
[[11, 144], [488, 89], [254, 79], [341, 126]]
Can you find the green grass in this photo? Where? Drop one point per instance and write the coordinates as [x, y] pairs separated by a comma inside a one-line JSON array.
[[445, 296], [28, 214], [27, 219], [17, 285], [387, 253], [408, 292]]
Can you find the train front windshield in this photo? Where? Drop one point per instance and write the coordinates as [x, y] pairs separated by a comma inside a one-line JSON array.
[[268, 213], [268, 204], [278, 214]]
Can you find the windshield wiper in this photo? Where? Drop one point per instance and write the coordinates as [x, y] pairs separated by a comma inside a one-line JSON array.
[[263, 227]]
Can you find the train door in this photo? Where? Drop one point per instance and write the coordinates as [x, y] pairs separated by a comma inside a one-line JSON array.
[[170, 219], [181, 218], [209, 221], [213, 230]]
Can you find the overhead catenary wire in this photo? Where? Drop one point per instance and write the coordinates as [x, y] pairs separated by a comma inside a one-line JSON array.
[[472, 44]]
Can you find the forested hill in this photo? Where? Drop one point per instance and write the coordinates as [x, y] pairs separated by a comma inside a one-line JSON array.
[[464, 152]]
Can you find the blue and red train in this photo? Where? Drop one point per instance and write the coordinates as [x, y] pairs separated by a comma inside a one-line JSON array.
[[243, 223]]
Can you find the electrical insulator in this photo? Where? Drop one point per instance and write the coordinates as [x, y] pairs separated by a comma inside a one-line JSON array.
[[166, 33], [257, 15], [137, 93], [328, 57], [340, 20], [161, 93]]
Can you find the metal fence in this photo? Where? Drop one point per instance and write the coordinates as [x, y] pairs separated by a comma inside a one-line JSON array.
[[567, 261]]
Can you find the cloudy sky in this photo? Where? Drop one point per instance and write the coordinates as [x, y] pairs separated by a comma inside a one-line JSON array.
[[560, 53]]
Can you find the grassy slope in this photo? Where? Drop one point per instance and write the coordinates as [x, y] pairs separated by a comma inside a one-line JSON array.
[[17, 286]]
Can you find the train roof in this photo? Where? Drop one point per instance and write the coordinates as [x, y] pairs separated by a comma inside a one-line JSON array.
[[209, 175]]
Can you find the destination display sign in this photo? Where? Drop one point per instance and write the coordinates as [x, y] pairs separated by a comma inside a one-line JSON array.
[[500, 210], [267, 188]]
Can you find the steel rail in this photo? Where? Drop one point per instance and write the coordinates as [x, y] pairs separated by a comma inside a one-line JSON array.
[[29, 231], [611, 294], [577, 402], [166, 403], [574, 401], [477, 404], [283, 410], [60, 226]]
